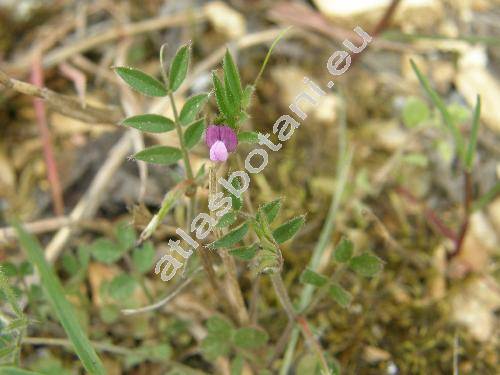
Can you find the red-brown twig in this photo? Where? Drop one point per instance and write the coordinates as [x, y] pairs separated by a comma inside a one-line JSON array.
[[48, 148], [465, 224], [382, 24], [429, 214]]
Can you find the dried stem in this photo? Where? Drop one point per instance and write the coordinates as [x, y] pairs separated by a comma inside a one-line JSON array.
[[89, 42], [164, 300], [178, 127], [229, 264], [66, 105], [281, 292]]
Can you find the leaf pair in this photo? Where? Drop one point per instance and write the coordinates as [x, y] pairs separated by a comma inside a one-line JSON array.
[[222, 336], [339, 294], [366, 265], [150, 86], [230, 97]]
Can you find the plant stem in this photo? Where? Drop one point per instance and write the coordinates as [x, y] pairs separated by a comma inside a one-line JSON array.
[[229, 264], [343, 166], [281, 292], [467, 208], [178, 127]]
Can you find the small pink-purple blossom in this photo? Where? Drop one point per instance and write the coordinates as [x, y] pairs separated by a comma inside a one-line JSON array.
[[221, 140]]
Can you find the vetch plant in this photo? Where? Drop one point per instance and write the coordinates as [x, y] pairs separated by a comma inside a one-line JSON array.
[[232, 218]]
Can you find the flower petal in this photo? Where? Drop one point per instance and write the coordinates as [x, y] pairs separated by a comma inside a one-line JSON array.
[[228, 136], [218, 152], [212, 135]]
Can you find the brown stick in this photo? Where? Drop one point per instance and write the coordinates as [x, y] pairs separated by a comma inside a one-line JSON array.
[[429, 214], [87, 43], [382, 24], [66, 105]]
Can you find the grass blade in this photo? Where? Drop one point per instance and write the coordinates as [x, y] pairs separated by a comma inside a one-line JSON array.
[[438, 102], [63, 309], [471, 149]]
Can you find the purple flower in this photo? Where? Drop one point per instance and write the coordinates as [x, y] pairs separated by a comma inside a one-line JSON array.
[[222, 140]]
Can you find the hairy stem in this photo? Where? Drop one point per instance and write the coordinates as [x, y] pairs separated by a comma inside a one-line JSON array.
[[282, 294], [185, 155]]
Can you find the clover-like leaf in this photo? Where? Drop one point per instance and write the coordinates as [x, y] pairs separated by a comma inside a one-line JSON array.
[[106, 251], [143, 257], [122, 287]]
